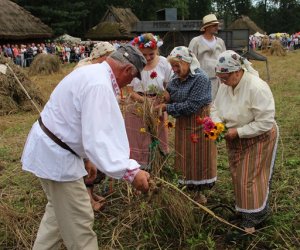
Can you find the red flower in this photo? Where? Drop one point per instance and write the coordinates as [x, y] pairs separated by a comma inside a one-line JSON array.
[[153, 75], [194, 138], [141, 46], [199, 120], [208, 124]]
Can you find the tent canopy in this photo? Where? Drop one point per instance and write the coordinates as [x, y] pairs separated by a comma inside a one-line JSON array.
[[258, 34]]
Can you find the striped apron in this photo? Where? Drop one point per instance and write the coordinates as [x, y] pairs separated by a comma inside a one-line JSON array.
[[251, 163], [197, 162], [139, 142]]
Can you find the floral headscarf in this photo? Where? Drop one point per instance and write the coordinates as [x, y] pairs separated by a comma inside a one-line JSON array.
[[229, 61], [100, 49], [182, 53]]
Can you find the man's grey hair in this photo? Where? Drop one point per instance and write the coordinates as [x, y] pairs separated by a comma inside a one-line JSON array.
[[122, 60]]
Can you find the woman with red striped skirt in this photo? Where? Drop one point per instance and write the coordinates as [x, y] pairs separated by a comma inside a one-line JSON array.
[[154, 77], [188, 96], [246, 105]]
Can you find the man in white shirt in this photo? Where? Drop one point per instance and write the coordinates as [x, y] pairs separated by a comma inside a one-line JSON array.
[[82, 119], [207, 48]]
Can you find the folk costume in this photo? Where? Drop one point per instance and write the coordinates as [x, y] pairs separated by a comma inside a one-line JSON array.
[[151, 83], [207, 52], [250, 108], [196, 161]]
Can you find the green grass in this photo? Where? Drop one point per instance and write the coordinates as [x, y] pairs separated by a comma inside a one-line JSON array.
[[22, 200]]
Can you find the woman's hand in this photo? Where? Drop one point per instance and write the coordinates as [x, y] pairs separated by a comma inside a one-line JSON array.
[[167, 96], [231, 134], [161, 107]]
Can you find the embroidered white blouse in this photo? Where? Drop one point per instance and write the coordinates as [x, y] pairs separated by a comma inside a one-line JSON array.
[[164, 72], [83, 112]]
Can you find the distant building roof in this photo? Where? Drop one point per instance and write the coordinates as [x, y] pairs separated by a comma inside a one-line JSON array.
[[244, 22], [16, 23], [116, 23]]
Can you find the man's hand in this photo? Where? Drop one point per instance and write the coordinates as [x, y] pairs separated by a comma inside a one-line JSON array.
[[231, 134], [141, 181], [92, 172]]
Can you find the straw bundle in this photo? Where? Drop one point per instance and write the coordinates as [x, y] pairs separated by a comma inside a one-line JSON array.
[[277, 49]]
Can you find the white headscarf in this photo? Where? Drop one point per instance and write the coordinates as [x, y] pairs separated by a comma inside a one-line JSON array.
[[186, 55], [229, 61]]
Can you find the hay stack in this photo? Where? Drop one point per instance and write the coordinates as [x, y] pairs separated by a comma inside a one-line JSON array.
[[277, 49], [265, 44], [12, 97], [44, 64]]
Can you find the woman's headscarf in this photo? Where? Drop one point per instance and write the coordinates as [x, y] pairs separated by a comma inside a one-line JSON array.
[[229, 61], [182, 53]]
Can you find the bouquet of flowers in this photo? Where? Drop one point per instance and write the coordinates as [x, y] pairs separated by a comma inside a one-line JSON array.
[[212, 131]]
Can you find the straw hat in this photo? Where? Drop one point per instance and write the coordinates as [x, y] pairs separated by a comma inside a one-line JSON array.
[[209, 20]]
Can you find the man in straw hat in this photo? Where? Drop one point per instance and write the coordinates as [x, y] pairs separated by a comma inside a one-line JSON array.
[[207, 48], [81, 120]]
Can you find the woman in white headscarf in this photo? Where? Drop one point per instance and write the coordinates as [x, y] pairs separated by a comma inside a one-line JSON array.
[[189, 96], [246, 105]]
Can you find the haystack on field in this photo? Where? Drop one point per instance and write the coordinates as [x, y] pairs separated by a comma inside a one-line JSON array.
[[167, 217], [277, 48], [45, 64], [12, 97]]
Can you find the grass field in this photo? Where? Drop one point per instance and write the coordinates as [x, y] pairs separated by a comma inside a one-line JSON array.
[[22, 200]]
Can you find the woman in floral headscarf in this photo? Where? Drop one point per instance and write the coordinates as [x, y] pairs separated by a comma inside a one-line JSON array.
[[189, 96], [155, 77], [245, 104]]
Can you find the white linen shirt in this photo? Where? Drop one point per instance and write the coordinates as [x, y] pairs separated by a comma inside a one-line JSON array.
[[164, 73], [83, 112], [249, 107]]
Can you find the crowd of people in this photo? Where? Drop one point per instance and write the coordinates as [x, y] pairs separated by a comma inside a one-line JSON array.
[[82, 129], [289, 42], [23, 54]]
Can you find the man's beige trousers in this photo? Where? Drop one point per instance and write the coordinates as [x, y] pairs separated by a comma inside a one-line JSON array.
[[68, 216]]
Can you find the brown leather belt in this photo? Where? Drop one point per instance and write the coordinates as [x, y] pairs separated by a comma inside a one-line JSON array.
[[54, 137], [146, 94]]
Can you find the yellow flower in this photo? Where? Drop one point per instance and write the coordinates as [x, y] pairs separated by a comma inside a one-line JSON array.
[[213, 134], [142, 130], [139, 110], [220, 127]]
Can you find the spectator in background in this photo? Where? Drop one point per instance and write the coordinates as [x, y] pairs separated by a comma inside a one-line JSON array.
[[207, 48]]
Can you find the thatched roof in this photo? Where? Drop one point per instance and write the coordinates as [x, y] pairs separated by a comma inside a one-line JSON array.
[[16, 23], [108, 31], [116, 23], [244, 22], [120, 15]]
